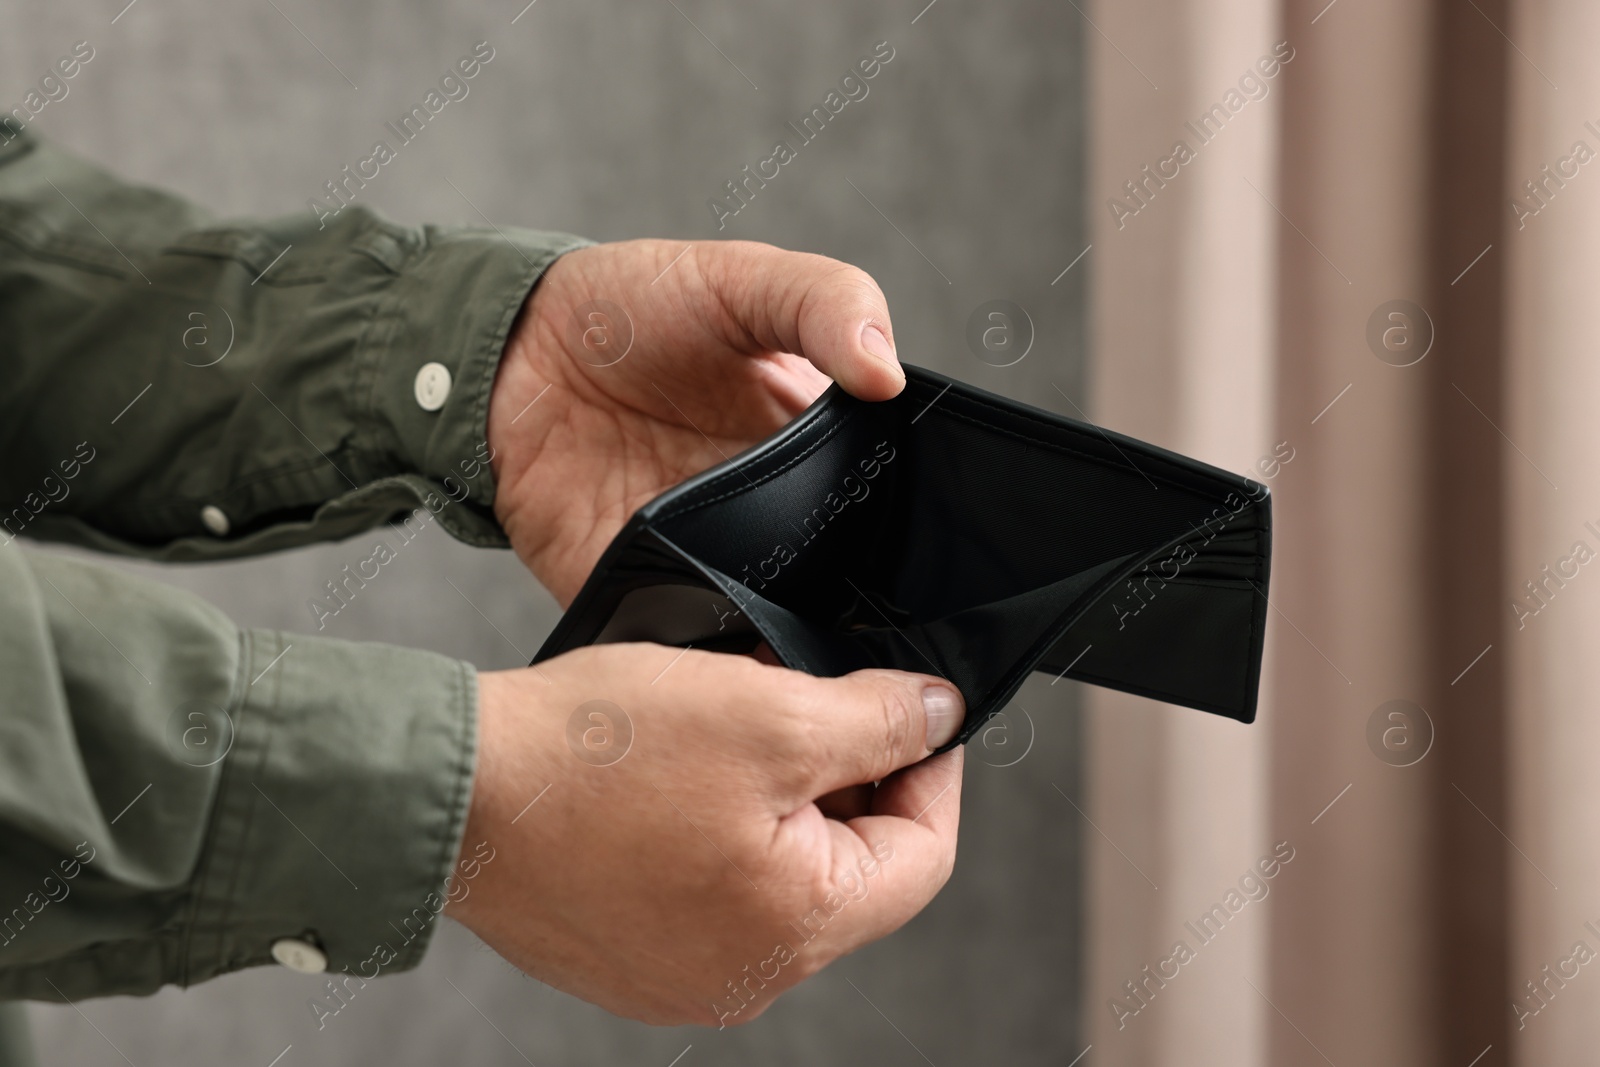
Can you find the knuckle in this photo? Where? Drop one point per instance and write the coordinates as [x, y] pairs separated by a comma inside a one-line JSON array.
[[899, 713], [810, 963], [743, 1017], [947, 864], [857, 283]]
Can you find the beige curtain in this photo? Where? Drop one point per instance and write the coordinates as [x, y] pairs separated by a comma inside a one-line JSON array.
[[1336, 275], [1552, 385]]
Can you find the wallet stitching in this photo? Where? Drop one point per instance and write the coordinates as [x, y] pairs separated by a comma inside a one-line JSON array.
[[1161, 475], [1036, 420], [751, 483]]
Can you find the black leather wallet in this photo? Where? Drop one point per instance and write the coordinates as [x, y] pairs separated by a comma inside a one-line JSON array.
[[952, 532]]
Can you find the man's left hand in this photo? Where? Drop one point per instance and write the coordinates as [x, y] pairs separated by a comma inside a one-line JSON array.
[[638, 364]]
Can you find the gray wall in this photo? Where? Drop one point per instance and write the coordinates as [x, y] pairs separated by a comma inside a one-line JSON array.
[[620, 120]]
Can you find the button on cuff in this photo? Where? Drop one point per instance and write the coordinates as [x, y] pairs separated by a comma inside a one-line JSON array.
[[215, 520], [298, 955], [432, 387]]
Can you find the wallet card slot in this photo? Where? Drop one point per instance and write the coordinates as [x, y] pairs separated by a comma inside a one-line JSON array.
[[1191, 646]]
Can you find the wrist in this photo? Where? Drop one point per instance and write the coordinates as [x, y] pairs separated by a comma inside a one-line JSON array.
[[525, 369], [497, 800], [516, 422], [501, 413], [476, 840]]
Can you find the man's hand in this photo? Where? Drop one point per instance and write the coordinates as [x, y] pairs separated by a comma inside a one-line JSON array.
[[711, 835], [638, 364]]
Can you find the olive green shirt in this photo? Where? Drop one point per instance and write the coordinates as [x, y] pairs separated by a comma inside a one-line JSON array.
[[177, 794]]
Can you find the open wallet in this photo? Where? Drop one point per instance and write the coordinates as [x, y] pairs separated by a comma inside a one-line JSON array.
[[950, 531]]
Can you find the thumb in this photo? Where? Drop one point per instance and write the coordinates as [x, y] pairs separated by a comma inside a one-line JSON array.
[[829, 312], [869, 724]]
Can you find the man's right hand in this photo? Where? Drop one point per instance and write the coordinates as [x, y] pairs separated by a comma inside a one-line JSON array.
[[709, 836]]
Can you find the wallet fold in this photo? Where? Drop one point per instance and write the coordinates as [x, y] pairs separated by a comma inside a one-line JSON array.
[[953, 532]]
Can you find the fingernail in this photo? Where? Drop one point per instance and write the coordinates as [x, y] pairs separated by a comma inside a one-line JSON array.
[[945, 713], [877, 343]]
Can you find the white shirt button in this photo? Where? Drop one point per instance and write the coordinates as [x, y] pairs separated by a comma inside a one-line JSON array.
[[432, 386], [215, 520], [299, 955]]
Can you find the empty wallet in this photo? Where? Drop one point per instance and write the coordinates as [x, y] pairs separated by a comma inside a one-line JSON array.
[[950, 531]]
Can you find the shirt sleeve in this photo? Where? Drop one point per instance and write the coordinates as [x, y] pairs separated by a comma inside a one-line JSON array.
[[178, 796], [183, 389]]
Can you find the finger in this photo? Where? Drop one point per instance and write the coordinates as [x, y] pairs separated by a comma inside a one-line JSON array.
[[865, 726], [927, 793], [885, 868], [793, 381], [831, 313]]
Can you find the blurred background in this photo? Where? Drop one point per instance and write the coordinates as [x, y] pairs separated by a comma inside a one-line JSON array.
[[958, 179], [1345, 247]]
